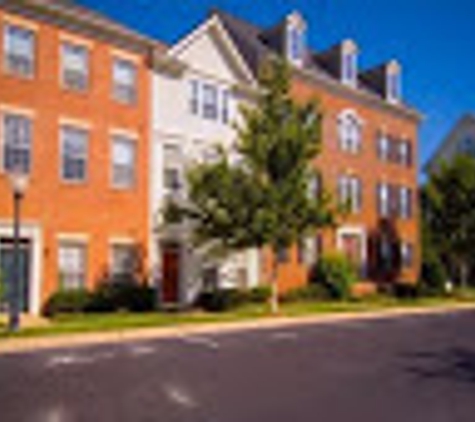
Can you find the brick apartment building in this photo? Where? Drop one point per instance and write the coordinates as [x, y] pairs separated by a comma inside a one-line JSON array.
[[94, 115], [74, 117]]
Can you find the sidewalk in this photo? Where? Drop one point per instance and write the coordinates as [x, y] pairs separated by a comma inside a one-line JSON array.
[[18, 345]]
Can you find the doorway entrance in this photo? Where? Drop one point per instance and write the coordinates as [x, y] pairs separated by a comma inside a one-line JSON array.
[[7, 271], [170, 274]]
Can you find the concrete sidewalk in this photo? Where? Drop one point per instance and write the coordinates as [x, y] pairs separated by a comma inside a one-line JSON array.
[[60, 341]]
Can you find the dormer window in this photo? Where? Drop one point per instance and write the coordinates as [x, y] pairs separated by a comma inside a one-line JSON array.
[[349, 63], [296, 39], [393, 82]]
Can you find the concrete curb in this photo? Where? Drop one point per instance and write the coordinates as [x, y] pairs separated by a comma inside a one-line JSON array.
[[21, 345]]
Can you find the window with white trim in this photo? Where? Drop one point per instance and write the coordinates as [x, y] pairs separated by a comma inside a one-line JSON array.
[[123, 161], [384, 147], [72, 265], [17, 142], [75, 66], [210, 102], [124, 260], [74, 153], [405, 202], [124, 75], [19, 50], [349, 133], [383, 199], [349, 71], [407, 254], [194, 97], [295, 43], [350, 192], [225, 104], [405, 158], [393, 86]]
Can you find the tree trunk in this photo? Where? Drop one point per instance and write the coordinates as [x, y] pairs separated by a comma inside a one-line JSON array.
[[274, 296], [463, 275]]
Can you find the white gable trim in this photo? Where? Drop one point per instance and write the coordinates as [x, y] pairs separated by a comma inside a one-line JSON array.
[[215, 22]]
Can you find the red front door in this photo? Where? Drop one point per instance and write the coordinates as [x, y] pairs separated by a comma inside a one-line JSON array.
[[170, 274]]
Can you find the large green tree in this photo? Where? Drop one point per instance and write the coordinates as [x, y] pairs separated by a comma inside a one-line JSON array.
[[448, 204], [264, 194]]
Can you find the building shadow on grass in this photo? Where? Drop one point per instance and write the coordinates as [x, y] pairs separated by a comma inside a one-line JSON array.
[[454, 364]]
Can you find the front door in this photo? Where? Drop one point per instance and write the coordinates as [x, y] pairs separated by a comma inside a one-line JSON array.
[[170, 274], [352, 248], [7, 271]]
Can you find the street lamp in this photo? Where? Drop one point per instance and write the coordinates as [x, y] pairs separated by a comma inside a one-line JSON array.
[[19, 184]]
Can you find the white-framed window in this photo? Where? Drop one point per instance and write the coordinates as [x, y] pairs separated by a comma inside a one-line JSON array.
[[384, 147], [295, 43], [349, 133], [17, 142], [124, 259], [19, 50], [393, 86], [407, 254], [350, 192], [384, 199], [172, 179], [72, 265], [123, 161], [74, 153], [124, 76], [405, 153], [405, 203], [210, 101], [349, 71], [75, 66]]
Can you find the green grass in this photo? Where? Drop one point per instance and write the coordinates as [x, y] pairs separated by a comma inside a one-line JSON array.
[[69, 324]]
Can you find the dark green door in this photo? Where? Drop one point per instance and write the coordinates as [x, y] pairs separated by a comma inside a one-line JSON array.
[[7, 271]]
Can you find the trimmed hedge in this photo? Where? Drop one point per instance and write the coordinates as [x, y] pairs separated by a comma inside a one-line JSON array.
[[221, 300], [106, 298], [309, 293]]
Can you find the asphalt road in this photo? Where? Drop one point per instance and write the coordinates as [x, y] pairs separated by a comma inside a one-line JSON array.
[[402, 369]]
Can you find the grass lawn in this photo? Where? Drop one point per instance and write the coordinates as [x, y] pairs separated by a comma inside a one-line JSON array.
[[67, 324]]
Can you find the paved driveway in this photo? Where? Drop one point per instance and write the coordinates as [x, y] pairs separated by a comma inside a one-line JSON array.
[[402, 369]]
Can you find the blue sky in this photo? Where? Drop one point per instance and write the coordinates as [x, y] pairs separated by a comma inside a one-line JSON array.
[[434, 41]]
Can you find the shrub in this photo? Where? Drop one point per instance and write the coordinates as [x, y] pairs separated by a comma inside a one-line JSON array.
[[67, 301], [220, 300], [113, 297], [433, 276], [260, 294], [309, 293], [337, 273], [406, 291]]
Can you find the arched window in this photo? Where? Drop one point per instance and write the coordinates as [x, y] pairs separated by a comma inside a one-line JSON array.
[[349, 133]]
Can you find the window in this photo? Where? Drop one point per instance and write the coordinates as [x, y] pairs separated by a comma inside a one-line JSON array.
[[124, 260], [350, 192], [124, 81], [384, 147], [315, 186], [17, 143], [72, 265], [74, 153], [194, 97], [172, 179], [349, 68], [466, 146], [296, 43], [407, 254], [383, 200], [75, 66], [405, 153], [405, 203], [349, 132], [123, 161], [393, 86], [210, 102], [19, 46]]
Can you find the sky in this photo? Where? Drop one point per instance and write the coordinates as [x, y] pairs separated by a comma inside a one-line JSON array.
[[433, 39]]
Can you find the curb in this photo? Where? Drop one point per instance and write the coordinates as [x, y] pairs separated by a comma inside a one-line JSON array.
[[33, 344]]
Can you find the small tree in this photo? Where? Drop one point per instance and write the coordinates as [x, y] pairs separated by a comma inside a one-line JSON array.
[[264, 197], [448, 203]]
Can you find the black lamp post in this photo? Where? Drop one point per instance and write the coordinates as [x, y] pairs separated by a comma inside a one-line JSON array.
[[19, 183]]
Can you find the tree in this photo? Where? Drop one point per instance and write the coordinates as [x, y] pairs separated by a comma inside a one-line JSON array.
[[448, 203], [264, 195]]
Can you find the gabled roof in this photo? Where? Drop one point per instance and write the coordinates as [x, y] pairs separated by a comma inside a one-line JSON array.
[[256, 45]]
